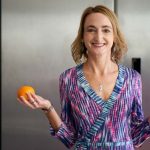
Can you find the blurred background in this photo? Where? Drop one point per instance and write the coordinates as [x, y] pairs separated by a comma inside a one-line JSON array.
[[36, 39]]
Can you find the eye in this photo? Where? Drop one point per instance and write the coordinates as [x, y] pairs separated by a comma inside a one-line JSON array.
[[91, 30], [106, 31]]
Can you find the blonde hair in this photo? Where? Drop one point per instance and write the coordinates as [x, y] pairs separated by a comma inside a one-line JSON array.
[[119, 47]]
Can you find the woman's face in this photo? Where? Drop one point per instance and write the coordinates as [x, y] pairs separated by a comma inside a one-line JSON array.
[[98, 34]]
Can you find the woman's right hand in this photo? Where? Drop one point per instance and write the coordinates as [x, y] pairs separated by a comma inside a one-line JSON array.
[[35, 101]]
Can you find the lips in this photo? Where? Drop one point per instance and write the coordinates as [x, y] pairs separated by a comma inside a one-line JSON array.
[[98, 44]]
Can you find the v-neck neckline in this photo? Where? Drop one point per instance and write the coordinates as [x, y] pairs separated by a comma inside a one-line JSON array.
[[89, 90]]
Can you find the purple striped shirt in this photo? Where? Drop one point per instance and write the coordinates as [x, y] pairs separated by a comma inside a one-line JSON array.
[[124, 127]]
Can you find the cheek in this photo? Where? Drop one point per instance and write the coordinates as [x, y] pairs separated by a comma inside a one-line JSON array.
[[111, 39], [87, 38]]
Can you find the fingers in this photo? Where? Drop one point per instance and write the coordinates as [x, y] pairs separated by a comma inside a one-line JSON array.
[[19, 100], [31, 102], [39, 100], [26, 102], [34, 101], [35, 97], [42, 103]]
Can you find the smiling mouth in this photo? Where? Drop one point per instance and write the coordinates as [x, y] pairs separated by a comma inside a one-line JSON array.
[[98, 44]]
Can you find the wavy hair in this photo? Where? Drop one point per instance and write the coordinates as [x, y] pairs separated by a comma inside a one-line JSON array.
[[119, 47]]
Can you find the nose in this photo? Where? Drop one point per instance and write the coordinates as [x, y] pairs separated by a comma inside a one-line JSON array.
[[99, 35]]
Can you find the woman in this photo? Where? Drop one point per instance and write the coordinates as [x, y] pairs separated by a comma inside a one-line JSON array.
[[100, 99]]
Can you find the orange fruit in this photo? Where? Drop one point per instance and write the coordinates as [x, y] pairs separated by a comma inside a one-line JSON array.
[[25, 89]]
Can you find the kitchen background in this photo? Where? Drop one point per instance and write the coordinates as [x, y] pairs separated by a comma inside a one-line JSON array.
[[36, 39]]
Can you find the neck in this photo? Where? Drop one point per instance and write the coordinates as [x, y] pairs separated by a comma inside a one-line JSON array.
[[100, 67]]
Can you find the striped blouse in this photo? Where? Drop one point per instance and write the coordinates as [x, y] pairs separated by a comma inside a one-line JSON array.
[[91, 123]]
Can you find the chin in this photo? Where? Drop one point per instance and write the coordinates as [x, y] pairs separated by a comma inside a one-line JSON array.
[[100, 51]]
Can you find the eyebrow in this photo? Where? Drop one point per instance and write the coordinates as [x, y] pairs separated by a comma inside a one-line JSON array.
[[105, 26]]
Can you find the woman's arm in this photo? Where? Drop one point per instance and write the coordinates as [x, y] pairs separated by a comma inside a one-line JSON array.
[[53, 117], [62, 127], [37, 102], [140, 127]]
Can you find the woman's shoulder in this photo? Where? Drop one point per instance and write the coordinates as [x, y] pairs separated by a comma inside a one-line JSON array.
[[130, 72], [69, 73]]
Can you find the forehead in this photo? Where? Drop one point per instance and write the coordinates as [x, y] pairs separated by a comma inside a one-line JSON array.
[[97, 19]]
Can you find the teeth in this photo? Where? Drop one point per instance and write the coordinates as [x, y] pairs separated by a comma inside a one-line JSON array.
[[98, 44]]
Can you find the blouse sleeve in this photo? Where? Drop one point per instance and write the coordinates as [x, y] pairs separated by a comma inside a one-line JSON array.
[[140, 127], [66, 133]]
